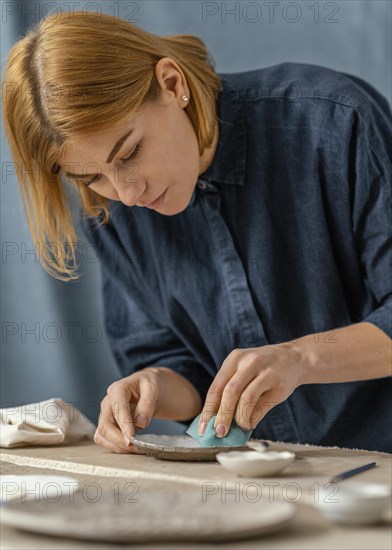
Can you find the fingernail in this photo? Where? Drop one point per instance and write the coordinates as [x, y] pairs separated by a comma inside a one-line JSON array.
[[127, 440], [220, 430], [202, 428], [141, 421]]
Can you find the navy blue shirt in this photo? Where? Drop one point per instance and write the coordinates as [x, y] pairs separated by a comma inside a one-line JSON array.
[[288, 233]]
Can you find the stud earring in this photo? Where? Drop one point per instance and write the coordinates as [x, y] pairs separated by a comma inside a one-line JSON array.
[[184, 97]]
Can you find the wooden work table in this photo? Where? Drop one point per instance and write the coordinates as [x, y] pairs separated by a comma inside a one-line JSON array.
[[88, 462]]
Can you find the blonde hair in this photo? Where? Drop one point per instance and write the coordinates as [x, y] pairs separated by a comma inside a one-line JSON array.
[[69, 74]]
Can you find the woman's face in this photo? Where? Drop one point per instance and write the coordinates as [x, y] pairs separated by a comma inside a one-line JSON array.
[[159, 154]]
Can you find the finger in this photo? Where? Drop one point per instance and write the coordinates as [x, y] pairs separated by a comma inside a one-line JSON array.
[[265, 403], [249, 407], [120, 398], [215, 391], [230, 397], [100, 440], [108, 427], [211, 405], [145, 408]]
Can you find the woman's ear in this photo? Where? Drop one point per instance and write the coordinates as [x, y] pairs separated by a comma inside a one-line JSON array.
[[171, 78]]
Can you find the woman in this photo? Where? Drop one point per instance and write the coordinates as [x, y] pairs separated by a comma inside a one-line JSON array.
[[241, 221]]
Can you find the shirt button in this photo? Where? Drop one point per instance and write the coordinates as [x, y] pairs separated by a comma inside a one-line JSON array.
[[201, 185]]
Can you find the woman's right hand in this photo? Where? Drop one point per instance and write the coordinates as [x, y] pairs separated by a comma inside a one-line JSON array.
[[129, 405]]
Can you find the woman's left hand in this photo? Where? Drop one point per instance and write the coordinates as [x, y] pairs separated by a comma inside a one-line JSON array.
[[249, 383]]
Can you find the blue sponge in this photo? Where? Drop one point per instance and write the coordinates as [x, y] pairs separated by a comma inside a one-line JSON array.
[[236, 436]]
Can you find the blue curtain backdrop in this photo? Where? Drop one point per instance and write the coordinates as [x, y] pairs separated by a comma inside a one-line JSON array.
[[53, 340]]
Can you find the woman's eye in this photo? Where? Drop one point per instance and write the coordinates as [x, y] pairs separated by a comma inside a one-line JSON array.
[[86, 182], [133, 155], [95, 178], [123, 161]]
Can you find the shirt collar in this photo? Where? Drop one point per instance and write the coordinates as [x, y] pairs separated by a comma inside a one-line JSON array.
[[229, 162]]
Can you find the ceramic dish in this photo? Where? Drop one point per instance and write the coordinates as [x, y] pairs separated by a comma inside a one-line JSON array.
[[178, 447], [255, 464], [150, 516], [354, 502]]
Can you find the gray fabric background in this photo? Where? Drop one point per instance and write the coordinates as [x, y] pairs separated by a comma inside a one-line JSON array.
[[53, 341]]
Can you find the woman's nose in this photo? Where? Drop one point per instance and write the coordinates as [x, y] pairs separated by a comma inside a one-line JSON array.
[[129, 192]]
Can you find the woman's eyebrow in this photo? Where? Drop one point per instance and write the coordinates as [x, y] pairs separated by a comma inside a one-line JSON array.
[[117, 146], [115, 150]]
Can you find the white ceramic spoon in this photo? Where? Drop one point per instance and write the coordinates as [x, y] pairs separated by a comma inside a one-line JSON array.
[[259, 446]]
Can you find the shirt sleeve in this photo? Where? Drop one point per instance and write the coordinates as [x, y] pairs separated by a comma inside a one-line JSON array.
[[372, 208], [136, 339]]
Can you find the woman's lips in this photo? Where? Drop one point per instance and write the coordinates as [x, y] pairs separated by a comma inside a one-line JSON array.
[[157, 201]]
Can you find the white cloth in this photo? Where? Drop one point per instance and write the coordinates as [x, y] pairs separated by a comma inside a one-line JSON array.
[[44, 423]]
